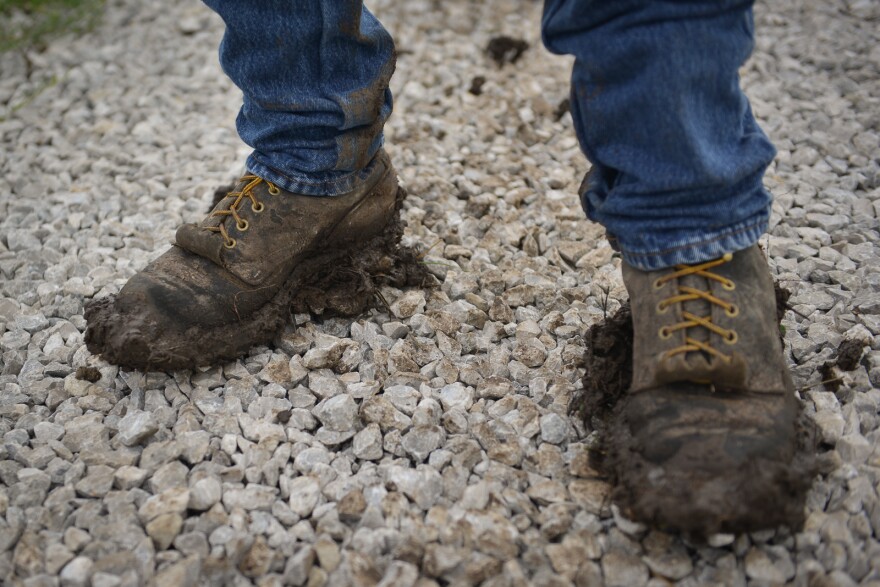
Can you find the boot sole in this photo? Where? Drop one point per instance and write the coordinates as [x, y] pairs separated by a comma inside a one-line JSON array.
[[344, 281]]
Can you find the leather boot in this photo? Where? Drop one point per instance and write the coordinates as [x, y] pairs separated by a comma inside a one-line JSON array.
[[705, 438], [227, 283]]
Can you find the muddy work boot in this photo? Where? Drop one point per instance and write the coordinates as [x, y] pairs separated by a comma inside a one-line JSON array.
[[229, 282], [704, 440]]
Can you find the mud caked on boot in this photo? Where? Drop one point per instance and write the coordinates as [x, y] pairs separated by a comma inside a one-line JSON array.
[[704, 440], [228, 282]]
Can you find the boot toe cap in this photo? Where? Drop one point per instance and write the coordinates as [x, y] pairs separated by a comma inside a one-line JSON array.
[[693, 460], [176, 301]]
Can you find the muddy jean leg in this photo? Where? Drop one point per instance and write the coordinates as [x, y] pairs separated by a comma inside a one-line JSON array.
[[314, 74], [678, 158]]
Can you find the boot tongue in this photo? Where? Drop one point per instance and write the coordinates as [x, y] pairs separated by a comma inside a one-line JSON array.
[[699, 308], [209, 244], [726, 370], [212, 220]]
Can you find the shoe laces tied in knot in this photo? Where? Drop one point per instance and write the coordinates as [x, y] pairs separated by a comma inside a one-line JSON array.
[[690, 320], [241, 224]]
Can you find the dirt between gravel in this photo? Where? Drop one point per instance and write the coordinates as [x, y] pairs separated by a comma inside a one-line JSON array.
[[608, 375]]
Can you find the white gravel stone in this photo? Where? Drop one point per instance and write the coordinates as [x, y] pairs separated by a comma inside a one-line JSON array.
[[304, 495], [853, 448], [251, 497], [337, 413], [421, 441], [456, 396], [403, 397], [296, 571], [409, 304], [136, 427], [760, 567], [554, 428], [378, 410], [204, 493], [129, 477], [46, 431], [30, 321], [423, 485], [77, 572], [367, 444], [624, 570], [174, 500]]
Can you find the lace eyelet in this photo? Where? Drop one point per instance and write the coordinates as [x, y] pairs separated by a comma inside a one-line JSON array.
[[728, 285], [231, 244], [661, 308], [658, 284], [664, 333], [731, 338], [243, 226], [258, 208], [274, 190], [732, 311]]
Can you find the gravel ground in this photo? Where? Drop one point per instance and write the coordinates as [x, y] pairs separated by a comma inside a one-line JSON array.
[[428, 444]]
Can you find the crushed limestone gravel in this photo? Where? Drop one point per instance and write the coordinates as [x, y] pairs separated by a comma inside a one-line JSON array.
[[428, 443]]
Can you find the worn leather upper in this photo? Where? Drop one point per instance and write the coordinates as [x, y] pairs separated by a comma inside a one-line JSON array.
[[289, 226], [201, 282], [755, 358]]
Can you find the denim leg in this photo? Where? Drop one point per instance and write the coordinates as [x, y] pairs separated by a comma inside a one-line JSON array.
[[678, 158], [314, 74]]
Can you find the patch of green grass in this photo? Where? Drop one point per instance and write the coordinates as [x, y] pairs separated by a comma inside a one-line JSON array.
[[31, 23]]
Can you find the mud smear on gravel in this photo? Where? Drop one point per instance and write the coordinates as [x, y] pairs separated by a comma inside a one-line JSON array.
[[345, 283], [609, 370]]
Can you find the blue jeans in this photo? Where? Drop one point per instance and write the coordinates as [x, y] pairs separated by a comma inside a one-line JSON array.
[[677, 156], [314, 74]]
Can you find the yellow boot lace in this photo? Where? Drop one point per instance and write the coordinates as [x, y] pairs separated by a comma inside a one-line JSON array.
[[687, 294], [256, 206]]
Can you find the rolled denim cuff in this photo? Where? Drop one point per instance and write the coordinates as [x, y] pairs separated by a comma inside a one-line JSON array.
[[328, 183], [696, 248]]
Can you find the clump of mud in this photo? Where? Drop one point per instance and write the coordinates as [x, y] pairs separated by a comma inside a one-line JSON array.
[[506, 49], [477, 84], [90, 374], [782, 296], [849, 356], [608, 376], [608, 360], [352, 285], [563, 108]]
